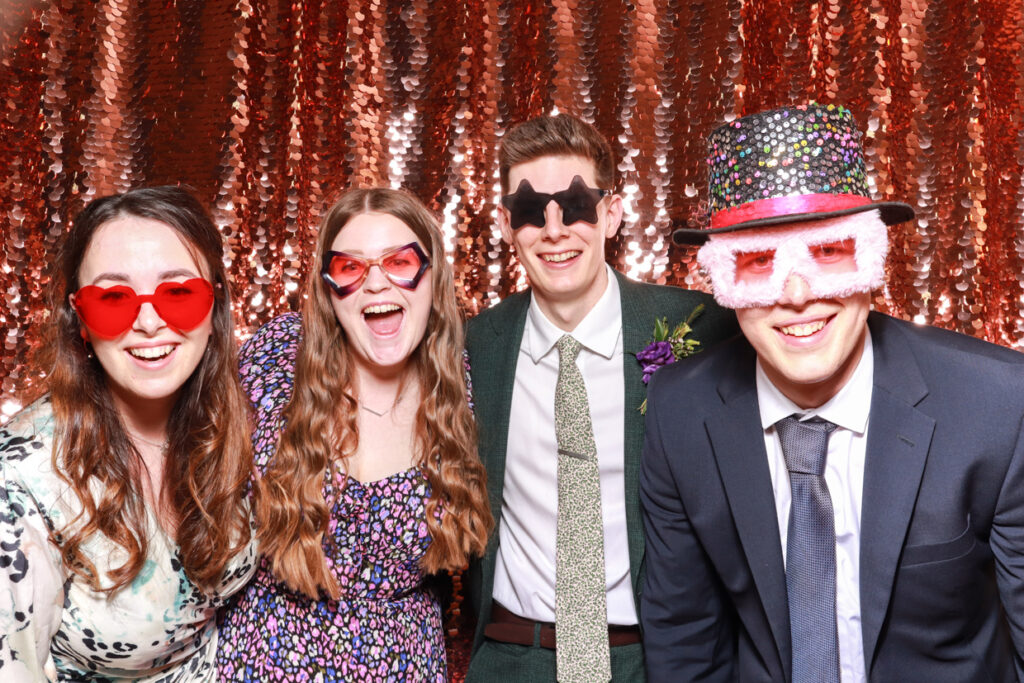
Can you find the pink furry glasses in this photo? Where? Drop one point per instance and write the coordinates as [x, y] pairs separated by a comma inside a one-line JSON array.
[[836, 257]]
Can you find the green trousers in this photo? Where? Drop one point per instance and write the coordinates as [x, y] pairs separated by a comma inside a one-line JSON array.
[[498, 662]]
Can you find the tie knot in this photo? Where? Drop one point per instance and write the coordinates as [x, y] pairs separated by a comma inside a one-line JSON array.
[[568, 347], [804, 444]]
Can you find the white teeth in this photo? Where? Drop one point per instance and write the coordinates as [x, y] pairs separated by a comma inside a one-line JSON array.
[[803, 330], [152, 352], [381, 308], [558, 258]]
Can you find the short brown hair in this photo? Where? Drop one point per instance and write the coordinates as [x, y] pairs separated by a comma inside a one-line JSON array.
[[561, 135]]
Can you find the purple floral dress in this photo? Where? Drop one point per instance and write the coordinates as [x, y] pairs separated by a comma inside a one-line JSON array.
[[386, 626]]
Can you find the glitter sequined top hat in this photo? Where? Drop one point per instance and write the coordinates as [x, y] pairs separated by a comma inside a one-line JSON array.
[[787, 165]]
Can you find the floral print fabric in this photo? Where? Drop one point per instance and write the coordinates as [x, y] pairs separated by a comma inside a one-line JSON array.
[[161, 628], [386, 626]]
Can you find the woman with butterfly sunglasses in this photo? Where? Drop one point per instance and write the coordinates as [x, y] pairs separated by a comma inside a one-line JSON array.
[[123, 514], [367, 449]]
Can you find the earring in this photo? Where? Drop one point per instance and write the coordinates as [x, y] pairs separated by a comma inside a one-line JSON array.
[[87, 346], [85, 343]]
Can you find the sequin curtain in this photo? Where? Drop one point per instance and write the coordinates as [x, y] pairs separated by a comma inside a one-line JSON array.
[[269, 108]]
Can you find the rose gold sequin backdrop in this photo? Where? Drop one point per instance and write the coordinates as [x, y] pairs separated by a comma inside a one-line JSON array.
[[269, 108]]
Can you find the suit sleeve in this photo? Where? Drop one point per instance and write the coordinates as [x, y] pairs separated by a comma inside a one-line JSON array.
[[1007, 541], [686, 625]]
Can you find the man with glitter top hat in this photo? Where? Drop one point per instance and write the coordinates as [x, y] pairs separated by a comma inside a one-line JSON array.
[[557, 388], [836, 495]]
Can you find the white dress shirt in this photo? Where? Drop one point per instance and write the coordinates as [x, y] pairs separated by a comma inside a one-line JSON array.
[[524, 577], [844, 476]]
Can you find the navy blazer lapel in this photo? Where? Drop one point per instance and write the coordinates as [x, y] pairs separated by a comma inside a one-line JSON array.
[[737, 441], [899, 437]]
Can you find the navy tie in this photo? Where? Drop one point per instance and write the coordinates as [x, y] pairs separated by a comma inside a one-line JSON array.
[[810, 552]]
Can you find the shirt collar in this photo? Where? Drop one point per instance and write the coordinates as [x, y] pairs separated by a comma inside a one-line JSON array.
[[849, 408], [598, 331]]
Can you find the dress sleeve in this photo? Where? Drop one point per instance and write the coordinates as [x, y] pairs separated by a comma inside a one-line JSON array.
[[267, 359], [468, 370], [267, 371], [31, 586]]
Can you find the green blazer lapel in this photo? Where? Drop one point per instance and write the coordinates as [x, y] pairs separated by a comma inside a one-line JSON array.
[[637, 328], [642, 305], [493, 342], [493, 358]]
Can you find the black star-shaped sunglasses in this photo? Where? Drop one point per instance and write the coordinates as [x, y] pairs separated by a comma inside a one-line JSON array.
[[578, 203]]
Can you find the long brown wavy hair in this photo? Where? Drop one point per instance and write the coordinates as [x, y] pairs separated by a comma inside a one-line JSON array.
[[321, 427], [208, 458]]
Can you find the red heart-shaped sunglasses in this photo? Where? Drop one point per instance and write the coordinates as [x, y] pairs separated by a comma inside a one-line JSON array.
[[110, 311]]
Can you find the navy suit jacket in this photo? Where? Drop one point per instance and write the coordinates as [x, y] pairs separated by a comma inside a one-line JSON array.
[[942, 522]]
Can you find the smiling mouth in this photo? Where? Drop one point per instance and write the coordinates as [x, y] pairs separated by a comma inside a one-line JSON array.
[[151, 353], [804, 330], [562, 257], [383, 319], [381, 309]]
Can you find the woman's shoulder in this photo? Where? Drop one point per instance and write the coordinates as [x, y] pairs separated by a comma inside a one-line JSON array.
[[34, 421], [31, 574], [26, 441], [27, 474]]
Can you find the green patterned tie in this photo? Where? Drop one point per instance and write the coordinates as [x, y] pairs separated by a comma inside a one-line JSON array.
[[581, 613]]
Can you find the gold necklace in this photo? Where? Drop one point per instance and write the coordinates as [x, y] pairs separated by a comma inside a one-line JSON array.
[[381, 413], [136, 437]]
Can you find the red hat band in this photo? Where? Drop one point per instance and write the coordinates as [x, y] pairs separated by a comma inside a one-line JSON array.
[[780, 206]]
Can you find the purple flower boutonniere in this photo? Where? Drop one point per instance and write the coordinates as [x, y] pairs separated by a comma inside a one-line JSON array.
[[667, 347]]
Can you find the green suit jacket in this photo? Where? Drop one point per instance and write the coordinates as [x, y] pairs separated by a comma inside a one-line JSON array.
[[493, 339]]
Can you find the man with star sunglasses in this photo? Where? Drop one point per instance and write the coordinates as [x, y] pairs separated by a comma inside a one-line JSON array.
[[558, 210]]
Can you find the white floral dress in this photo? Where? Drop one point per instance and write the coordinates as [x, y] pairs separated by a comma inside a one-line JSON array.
[[52, 625]]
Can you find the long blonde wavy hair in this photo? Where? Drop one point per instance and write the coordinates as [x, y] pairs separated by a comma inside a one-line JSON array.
[[321, 426]]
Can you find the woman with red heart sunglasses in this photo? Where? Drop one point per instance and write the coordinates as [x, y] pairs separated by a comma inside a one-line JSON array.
[[123, 519], [367, 449]]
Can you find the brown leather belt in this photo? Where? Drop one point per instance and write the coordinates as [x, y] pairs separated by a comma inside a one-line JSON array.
[[507, 627]]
